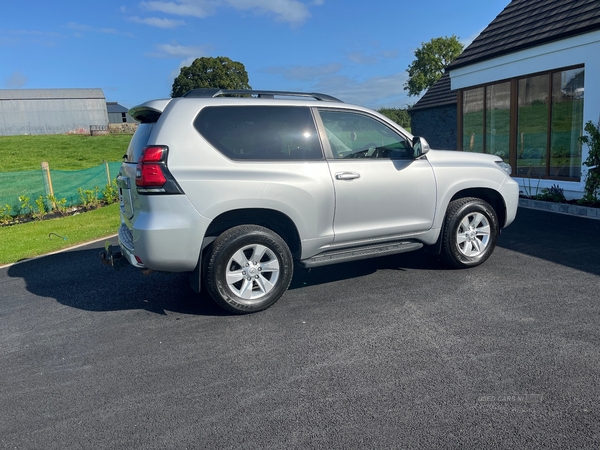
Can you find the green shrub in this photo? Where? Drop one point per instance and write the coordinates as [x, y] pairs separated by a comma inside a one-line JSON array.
[[592, 179]]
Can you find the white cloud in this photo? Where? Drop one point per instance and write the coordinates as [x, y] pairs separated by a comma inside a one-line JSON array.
[[304, 72], [158, 22], [292, 11], [193, 8], [371, 54], [468, 40], [16, 80], [178, 51], [375, 92], [362, 58], [78, 27]]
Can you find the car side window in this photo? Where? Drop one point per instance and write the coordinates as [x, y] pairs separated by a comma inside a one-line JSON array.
[[260, 132], [354, 135]]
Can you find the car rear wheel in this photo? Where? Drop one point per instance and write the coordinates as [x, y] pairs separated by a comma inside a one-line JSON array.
[[470, 232], [248, 269]]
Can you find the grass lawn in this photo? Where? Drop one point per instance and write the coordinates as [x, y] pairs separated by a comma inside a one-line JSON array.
[[34, 238], [61, 151]]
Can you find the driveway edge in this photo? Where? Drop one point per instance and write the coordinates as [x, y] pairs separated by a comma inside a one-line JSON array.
[[561, 208], [83, 244]]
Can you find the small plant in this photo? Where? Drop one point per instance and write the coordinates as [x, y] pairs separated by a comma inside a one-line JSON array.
[[111, 192], [6, 216], [553, 194], [58, 205], [41, 208], [89, 198], [592, 179], [528, 191], [25, 206]]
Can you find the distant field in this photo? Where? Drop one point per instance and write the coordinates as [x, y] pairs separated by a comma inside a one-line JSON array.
[[62, 152]]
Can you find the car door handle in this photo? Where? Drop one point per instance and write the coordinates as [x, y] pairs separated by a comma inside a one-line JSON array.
[[347, 175]]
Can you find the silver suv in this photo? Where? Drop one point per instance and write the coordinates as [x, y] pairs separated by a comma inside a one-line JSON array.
[[235, 187]]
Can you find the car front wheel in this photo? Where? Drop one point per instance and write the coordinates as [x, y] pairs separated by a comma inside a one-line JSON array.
[[249, 268], [470, 232]]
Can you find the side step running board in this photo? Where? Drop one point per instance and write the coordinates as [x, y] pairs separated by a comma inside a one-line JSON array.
[[357, 253]]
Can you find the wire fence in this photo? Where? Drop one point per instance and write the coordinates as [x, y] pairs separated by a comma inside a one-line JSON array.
[[60, 184]]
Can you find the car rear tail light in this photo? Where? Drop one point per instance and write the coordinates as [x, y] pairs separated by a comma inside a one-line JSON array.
[[152, 175]]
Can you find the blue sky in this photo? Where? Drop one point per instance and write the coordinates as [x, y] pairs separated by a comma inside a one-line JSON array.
[[355, 50]]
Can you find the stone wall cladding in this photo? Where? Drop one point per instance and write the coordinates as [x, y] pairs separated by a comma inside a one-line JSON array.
[[437, 125], [122, 128]]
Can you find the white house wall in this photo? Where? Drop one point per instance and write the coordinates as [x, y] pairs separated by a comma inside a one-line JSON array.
[[583, 49]]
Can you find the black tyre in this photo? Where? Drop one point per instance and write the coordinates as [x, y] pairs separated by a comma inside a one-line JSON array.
[[248, 269], [470, 232]]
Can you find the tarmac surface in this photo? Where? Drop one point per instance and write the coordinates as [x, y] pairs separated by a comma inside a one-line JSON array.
[[394, 352]]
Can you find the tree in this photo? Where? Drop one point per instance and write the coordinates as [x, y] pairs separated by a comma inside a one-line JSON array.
[[398, 115], [432, 58], [206, 72]]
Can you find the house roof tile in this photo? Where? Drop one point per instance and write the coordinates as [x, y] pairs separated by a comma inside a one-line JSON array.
[[528, 23], [439, 94]]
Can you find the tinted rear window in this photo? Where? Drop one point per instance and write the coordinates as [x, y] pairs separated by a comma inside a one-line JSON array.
[[260, 132], [138, 142]]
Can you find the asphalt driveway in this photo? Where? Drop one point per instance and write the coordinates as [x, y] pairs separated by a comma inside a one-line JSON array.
[[396, 352]]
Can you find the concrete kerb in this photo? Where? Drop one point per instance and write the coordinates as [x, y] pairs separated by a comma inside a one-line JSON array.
[[561, 208], [83, 244]]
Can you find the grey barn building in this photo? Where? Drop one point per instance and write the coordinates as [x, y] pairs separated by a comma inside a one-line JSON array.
[[118, 113], [51, 111]]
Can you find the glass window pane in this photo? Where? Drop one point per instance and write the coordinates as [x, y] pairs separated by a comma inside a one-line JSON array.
[[353, 135], [497, 120], [473, 120], [567, 123], [260, 132], [532, 130]]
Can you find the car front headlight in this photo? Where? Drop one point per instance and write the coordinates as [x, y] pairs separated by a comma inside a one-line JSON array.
[[504, 166]]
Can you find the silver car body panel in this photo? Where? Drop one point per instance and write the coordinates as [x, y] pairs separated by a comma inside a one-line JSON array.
[[387, 200]]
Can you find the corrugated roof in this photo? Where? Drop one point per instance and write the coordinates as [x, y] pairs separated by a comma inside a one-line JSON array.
[[114, 107], [439, 94], [50, 94], [528, 23]]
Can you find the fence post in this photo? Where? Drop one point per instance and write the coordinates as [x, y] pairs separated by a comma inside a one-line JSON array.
[[48, 182], [107, 172]]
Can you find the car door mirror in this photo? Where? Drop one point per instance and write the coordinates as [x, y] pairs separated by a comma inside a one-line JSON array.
[[420, 146]]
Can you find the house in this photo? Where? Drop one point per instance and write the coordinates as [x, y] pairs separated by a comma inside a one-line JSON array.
[[434, 115], [51, 111], [118, 113], [525, 87]]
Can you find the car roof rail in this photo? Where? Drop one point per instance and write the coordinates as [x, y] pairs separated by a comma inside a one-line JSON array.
[[210, 93]]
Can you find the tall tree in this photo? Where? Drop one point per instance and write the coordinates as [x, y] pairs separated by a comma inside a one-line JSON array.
[[432, 58], [206, 72]]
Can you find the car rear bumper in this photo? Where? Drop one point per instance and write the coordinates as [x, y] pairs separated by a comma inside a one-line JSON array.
[[168, 238]]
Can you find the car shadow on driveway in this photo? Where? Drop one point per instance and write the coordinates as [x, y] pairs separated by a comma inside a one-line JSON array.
[[418, 260], [77, 279]]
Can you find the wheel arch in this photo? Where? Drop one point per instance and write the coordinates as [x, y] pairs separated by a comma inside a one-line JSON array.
[[274, 220], [491, 196]]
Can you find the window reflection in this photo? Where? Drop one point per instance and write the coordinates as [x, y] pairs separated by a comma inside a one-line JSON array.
[[532, 135]]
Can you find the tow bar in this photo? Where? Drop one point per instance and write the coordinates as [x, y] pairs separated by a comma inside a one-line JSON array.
[[113, 257]]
